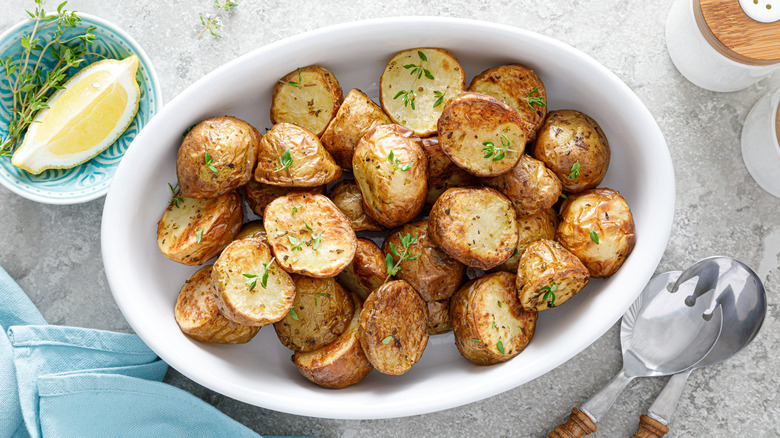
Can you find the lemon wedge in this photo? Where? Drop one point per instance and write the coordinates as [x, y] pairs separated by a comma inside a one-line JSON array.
[[84, 118]]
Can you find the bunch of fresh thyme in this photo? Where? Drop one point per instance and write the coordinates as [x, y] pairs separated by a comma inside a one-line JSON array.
[[31, 84], [212, 23]]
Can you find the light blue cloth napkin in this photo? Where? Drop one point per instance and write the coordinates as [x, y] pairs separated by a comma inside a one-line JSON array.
[[74, 382]]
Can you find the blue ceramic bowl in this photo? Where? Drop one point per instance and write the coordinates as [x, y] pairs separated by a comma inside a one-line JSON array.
[[90, 180]]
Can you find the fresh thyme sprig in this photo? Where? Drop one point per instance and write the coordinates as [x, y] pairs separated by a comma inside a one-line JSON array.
[[392, 266], [30, 83], [396, 162], [252, 278], [439, 98], [594, 236], [574, 172], [549, 293], [298, 84], [285, 161], [208, 159], [535, 100], [498, 153], [175, 195], [418, 71], [212, 23]]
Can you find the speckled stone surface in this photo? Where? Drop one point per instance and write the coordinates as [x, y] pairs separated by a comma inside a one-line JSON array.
[[54, 251]]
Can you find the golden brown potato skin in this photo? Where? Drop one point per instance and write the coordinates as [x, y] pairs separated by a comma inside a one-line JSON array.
[[568, 137], [367, 270], [476, 226], [469, 121], [347, 197], [322, 251], [394, 327], [448, 78], [606, 213], [487, 317], [391, 196], [254, 229], [357, 115], [216, 220], [322, 311], [433, 274], [439, 318], [515, 84], [311, 166], [455, 178], [258, 196], [198, 316], [232, 147], [531, 227], [339, 364], [312, 104], [530, 185], [261, 305], [546, 264]]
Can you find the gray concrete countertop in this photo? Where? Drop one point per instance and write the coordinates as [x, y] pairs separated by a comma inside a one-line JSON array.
[[54, 251]]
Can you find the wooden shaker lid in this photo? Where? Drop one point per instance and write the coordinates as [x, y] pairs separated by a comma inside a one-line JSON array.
[[735, 35]]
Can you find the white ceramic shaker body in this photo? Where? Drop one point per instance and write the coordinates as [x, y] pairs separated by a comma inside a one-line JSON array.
[[761, 143]]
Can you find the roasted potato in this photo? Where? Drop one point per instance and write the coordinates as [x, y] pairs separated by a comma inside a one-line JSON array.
[[531, 227], [356, 116], [249, 286], [481, 134], [216, 156], [439, 164], [489, 323], [391, 171], [367, 270], [308, 97], [573, 146], [320, 313], [309, 235], [340, 363], [192, 231], [292, 156], [254, 229], [432, 273], [548, 275], [455, 178], [415, 85], [530, 185], [519, 87], [597, 226], [394, 327], [258, 195], [347, 197], [198, 316], [476, 226], [439, 318]]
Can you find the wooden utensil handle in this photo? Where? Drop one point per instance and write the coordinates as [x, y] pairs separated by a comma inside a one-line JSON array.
[[650, 428], [578, 425]]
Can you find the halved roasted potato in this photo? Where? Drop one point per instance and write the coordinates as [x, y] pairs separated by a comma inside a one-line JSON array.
[[391, 170], [476, 226], [292, 156], [249, 286], [258, 195], [530, 185], [347, 197], [431, 271], [573, 146], [340, 363], [531, 227], [548, 275], [415, 85], [192, 231], [198, 316], [519, 87], [216, 156], [254, 229], [597, 226], [481, 134], [309, 235], [394, 327], [489, 323], [367, 270], [308, 97], [357, 115], [320, 313], [439, 318]]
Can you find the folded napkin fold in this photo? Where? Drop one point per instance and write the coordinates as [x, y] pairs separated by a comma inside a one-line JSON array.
[[74, 382]]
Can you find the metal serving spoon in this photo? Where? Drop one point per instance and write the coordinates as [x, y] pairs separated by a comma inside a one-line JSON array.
[[662, 333], [742, 298]]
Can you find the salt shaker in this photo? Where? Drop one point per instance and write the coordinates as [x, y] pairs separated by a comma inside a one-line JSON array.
[[761, 143], [724, 45]]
